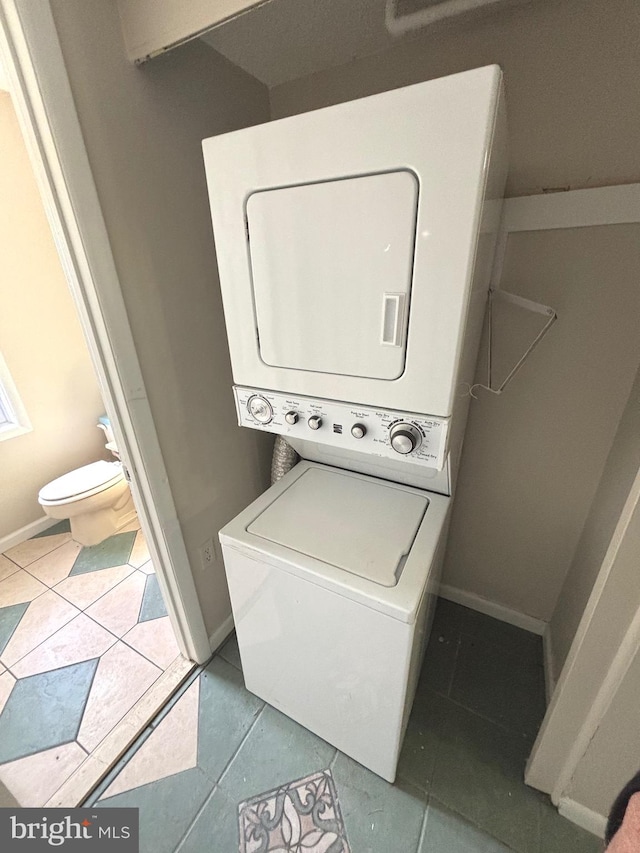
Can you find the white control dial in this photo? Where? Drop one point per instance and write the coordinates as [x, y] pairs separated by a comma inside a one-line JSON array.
[[291, 418], [358, 431], [315, 421], [260, 409], [405, 438]]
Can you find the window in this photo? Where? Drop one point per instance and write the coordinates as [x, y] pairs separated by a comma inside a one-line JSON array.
[[13, 416]]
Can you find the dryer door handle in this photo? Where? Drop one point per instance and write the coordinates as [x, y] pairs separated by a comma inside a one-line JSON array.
[[392, 319]]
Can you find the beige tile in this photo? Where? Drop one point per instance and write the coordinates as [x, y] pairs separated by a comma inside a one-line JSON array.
[[148, 568], [81, 639], [155, 640], [32, 780], [121, 679], [28, 552], [19, 587], [80, 784], [6, 686], [144, 711], [118, 610], [44, 616], [2, 669], [7, 567], [140, 552], [171, 748], [82, 590], [54, 567]]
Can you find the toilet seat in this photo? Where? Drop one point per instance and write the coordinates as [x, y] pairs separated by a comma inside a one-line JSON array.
[[81, 483]]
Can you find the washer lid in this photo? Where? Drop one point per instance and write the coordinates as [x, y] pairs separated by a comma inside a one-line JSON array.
[[362, 526], [89, 478]]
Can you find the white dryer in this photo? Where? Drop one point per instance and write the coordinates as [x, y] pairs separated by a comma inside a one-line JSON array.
[[354, 247], [333, 577]]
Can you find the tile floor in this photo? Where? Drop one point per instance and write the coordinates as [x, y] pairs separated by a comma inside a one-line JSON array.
[[216, 748], [83, 635]]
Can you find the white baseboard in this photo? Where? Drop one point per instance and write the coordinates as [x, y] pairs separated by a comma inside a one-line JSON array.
[[582, 816], [492, 608], [218, 637], [549, 664], [26, 532]]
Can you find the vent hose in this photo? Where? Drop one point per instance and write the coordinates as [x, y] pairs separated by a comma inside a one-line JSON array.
[[283, 460]]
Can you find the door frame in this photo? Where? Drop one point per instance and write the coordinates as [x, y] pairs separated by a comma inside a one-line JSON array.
[[31, 54]]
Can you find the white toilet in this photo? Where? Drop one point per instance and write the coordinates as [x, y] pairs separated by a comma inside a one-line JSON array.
[[95, 498]]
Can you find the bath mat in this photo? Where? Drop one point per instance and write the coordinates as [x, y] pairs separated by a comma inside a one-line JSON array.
[[299, 817]]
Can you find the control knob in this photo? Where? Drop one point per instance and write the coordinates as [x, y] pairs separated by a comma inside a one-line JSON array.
[[405, 438], [358, 431], [291, 418], [260, 409], [315, 422]]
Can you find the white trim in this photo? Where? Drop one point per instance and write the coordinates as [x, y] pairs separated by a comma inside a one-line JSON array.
[[582, 816], [45, 107], [492, 608], [549, 663], [399, 25], [573, 209], [26, 532], [219, 636]]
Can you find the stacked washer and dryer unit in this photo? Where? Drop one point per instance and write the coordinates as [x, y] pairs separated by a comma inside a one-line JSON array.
[[354, 245]]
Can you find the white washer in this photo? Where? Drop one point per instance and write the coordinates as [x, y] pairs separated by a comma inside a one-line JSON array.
[[341, 569]]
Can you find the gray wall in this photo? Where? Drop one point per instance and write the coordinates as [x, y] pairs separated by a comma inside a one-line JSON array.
[[534, 457], [143, 128], [613, 605], [571, 71], [619, 473]]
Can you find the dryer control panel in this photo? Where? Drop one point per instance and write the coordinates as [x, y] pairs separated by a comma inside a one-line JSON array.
[[368, 429]]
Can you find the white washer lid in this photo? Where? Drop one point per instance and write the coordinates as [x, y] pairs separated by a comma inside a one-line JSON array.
[[92, 477], [363, 526]]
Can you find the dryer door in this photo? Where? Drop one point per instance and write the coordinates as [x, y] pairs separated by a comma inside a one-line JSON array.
[[354, 243], [332, 264]]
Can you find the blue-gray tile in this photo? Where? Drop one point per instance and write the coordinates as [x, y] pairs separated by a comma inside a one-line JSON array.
[[525, 645], [114, 551], [558, 835], [230, 651], [276, 751], [448, 832], [63, 526], [500, 686], [227, 712], [45, 710], [439, 662], [9, 620], [152, 606], [379, 817], [452, 619], [479, 773], [215, 830], [422, 740], [167, 808]]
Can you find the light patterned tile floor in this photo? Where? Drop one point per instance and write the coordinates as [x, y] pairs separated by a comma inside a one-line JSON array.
[[72, 664], [243, 783]]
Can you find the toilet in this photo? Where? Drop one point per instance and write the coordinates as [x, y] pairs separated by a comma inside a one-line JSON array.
[[95, 498]]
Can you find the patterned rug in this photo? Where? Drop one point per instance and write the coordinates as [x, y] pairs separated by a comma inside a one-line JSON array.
[[300, 817]]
